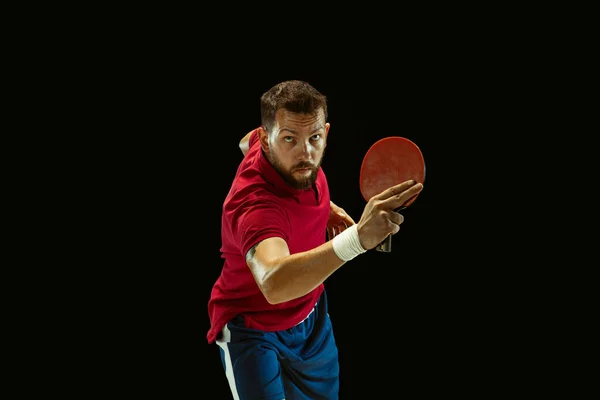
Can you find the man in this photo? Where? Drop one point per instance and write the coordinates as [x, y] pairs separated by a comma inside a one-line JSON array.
[[282, 237]]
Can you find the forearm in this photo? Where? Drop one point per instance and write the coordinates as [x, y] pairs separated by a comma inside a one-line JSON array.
[[287, 278]]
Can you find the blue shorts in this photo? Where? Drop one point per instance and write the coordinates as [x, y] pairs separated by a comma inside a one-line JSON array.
[[300, 363]]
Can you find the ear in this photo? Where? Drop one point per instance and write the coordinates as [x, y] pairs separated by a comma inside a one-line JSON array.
[[263, 136], [327, 126]]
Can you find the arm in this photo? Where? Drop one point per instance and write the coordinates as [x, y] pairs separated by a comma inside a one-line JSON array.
[[282, 276], [244, 143], [338, 221]]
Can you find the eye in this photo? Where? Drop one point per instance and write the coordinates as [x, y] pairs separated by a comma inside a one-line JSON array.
[[288, 139], [316, 137]]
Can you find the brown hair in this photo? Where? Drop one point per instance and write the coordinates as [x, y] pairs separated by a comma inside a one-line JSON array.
[[294, 96]]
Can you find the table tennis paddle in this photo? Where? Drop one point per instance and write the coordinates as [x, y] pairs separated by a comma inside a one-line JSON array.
[[388, 162]]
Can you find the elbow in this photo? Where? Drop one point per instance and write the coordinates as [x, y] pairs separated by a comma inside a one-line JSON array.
[[275, 300], [244, 147], [272, 300], [271, 294]]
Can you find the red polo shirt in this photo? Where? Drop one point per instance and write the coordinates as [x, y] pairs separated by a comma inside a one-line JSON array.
[[261, 205]]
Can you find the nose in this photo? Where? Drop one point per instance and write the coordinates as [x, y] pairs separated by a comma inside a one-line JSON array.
[[305, 151]]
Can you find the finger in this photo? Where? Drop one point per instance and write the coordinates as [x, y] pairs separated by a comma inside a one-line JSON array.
[[395, 190], [346, 218], [342, 227], [348, 221], [396, 218], [398, 199]]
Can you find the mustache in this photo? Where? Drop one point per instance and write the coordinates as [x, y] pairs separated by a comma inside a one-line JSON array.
[[303, 165]]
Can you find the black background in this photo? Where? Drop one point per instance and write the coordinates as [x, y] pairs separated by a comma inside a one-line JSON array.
[[408, 317], [391, 312], [142, 129]]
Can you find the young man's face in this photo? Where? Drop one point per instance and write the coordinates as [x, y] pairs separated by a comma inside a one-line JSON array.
[[295, 146]]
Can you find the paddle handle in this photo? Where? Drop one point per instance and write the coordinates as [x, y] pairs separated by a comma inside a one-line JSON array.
[[386, 245]]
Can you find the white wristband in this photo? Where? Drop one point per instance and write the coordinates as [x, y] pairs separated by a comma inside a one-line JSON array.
[[347, 244]]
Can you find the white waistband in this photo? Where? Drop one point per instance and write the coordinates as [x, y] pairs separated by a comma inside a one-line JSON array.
[[311, 311]]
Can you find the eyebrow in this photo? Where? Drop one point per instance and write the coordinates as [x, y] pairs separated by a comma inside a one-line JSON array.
[[295, 133]]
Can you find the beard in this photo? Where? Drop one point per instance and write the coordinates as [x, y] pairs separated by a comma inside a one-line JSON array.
[[288, 176]]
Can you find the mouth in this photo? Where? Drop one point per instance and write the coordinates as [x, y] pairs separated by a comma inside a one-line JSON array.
[[303, 171]]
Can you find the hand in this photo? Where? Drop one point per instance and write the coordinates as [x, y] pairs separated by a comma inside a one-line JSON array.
[[379, 218], [338, 221]]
